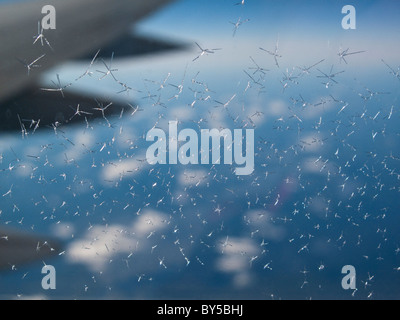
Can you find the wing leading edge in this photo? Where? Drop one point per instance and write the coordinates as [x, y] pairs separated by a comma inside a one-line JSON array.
[[81, 27]]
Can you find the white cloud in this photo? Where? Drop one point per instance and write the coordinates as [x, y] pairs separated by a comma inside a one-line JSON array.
[[191, 177], [102, 243], [236, 254], [118, 169], [311, 142], [63, 230], [262, 221]]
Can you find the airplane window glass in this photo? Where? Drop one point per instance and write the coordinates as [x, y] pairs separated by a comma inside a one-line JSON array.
[[221, 149]]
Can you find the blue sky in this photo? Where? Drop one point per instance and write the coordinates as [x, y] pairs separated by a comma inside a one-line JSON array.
[[190, 18], [311, 18]]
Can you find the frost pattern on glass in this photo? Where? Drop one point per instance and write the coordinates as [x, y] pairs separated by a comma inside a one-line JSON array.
[[323, 194]]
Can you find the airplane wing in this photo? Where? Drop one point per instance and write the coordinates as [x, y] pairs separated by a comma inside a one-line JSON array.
[[19, 247], [82, 27]]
